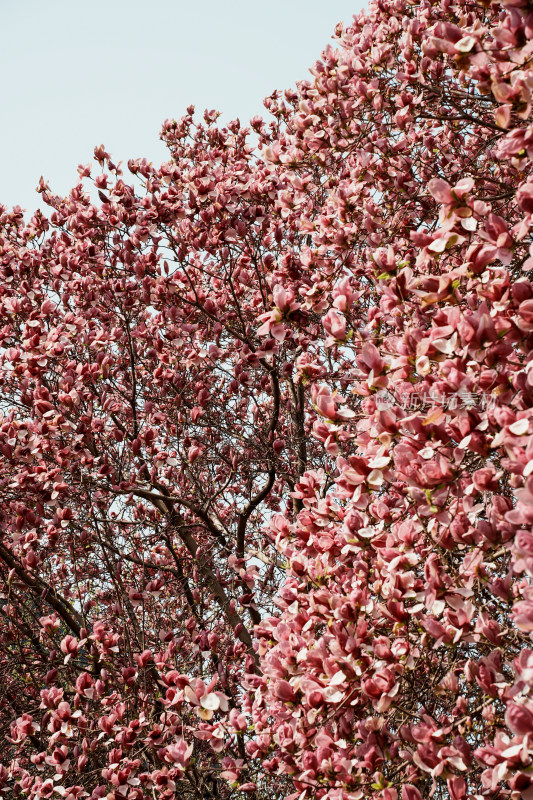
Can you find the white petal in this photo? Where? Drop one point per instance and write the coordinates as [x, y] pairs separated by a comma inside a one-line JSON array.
[[427, 452], [528, 469], [519, 427], [210, 701], [338, 678], [379, 462]]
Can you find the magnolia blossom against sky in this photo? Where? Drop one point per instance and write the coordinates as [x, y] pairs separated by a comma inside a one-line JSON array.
[[112, 72]]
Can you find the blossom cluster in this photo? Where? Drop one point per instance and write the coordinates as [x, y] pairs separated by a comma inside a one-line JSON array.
[[266, 426]]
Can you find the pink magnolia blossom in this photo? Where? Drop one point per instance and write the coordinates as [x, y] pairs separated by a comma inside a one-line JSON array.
[[266, 440]]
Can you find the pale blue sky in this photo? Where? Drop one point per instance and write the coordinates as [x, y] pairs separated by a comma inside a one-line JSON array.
[[76, 74]]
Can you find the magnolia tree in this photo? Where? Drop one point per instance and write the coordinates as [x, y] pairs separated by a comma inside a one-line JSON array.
[[267, 441]]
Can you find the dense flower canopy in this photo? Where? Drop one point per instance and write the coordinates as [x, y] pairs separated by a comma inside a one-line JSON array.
[[266, 427]]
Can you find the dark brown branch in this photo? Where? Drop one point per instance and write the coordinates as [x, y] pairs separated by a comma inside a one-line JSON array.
[[40, 587]]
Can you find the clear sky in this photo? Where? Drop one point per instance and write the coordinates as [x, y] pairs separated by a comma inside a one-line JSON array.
[[77, 74]]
